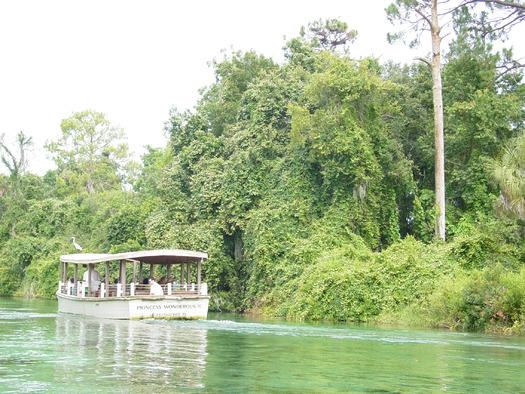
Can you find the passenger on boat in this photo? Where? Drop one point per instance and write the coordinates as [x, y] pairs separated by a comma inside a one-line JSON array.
[[95, 279], [165, 280], [155, 288]]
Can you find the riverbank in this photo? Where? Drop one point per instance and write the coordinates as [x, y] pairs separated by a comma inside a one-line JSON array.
[[411, 284]]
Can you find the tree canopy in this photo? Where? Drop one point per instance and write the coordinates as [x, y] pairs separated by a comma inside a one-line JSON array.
[[90, 155]]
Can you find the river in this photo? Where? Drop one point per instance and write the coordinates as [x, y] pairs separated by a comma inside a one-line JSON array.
[[42, 351]]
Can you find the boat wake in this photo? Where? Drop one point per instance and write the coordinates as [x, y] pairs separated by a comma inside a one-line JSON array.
[[349, 332]]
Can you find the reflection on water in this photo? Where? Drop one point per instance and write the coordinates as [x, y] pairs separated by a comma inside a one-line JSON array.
[[51, 352], [134, 353], [42, 351]]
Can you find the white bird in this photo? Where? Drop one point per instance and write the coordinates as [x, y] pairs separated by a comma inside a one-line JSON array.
[[77, 246]]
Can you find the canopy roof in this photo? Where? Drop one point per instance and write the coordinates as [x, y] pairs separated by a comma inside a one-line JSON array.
[[165, 256]]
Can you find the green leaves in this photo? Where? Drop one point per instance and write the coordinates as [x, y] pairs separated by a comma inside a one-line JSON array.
[[90, 154], [488, 299], [310, 185], [341, 129], [330, 34], [349, 283], [508, 173]]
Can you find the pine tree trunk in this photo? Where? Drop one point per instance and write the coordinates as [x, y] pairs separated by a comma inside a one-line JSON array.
[[439, 172]]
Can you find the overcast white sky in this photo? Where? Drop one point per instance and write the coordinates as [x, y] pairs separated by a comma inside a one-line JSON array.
[[135, 59]]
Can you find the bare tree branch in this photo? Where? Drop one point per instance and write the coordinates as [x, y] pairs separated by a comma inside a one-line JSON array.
[[423, 60], [507, 69], [510, 4]]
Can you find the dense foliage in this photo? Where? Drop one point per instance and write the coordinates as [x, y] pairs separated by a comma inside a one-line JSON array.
[[310, 186]]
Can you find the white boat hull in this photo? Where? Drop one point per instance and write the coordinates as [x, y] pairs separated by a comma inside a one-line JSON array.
[[137, 307]]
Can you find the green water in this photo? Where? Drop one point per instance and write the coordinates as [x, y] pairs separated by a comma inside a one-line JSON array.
[[42, 351]]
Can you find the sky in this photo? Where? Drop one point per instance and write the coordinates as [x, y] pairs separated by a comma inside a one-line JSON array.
[[134, 60]]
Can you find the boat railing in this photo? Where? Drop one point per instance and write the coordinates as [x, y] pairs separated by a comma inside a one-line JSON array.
[[81, 289]]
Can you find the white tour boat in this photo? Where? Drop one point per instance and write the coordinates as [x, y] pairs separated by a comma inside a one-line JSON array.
[[179, 295]]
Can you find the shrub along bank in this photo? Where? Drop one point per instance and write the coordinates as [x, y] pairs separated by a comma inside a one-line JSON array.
[[409, 283]]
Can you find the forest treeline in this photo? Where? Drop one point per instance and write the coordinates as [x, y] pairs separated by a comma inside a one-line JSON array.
[[309, 183]]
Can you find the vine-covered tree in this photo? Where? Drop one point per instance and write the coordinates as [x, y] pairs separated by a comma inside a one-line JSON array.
[[15, 160]]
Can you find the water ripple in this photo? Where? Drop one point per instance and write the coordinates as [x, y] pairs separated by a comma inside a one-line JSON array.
[[351, 333]]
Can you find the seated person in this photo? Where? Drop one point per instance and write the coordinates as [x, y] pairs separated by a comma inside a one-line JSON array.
[[95, 279], [155, 288]]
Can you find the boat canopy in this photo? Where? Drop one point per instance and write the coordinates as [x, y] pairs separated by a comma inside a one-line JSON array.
[[164, 256]]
